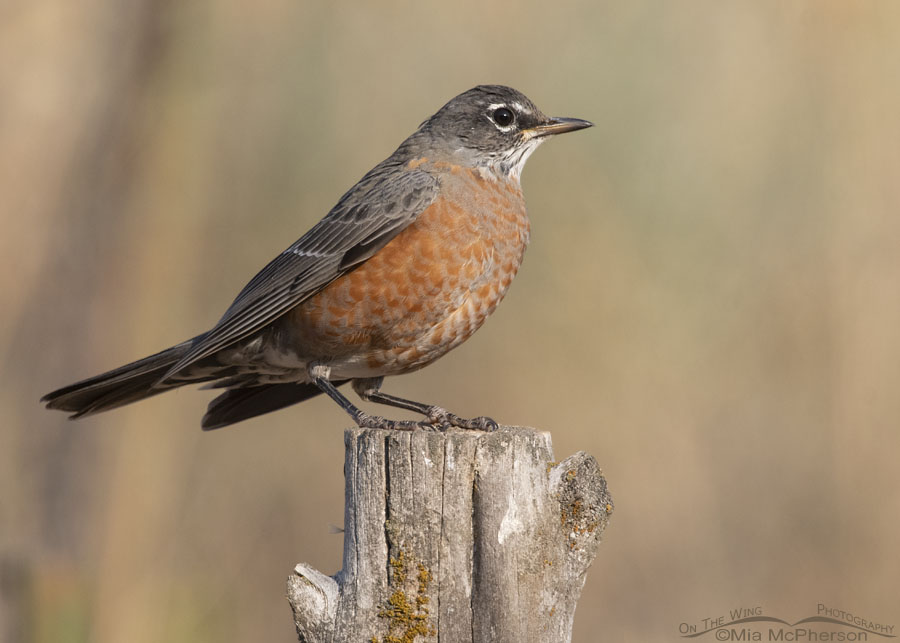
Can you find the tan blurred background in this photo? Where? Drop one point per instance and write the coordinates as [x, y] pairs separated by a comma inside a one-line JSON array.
[[710, 304]]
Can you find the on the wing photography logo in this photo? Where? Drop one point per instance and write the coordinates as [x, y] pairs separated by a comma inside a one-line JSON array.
[[752, 624]]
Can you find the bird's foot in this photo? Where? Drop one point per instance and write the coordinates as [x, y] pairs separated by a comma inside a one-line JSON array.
[[439, 419], [366, 421], [443, 419]]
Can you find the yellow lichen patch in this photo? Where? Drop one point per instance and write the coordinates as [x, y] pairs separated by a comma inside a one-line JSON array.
[[407, 617], [424, 578], [398, 564], [578, 520]]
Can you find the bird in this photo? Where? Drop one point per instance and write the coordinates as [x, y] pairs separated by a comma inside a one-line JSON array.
[[407, 265]]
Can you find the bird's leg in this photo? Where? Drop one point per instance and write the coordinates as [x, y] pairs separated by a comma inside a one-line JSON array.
[[319, 376], [369, 389]]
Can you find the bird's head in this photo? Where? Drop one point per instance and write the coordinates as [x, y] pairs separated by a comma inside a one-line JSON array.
[[493, 126]]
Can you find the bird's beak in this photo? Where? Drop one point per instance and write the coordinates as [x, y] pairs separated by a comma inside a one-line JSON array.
[[557, 126]]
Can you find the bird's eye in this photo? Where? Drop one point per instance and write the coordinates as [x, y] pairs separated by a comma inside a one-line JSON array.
[[503, 117]]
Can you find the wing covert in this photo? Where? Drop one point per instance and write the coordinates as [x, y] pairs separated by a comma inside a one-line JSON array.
[[365, 219]]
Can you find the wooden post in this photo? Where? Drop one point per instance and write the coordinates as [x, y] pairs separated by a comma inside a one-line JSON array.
[[461, 535]]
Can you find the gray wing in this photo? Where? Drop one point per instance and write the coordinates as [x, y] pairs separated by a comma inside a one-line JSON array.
[[366, 218]]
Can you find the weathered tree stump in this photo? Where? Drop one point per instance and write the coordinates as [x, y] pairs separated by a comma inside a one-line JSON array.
[[461, 535]]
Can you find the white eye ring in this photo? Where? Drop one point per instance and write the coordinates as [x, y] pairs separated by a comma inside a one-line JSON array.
[[502, 117]]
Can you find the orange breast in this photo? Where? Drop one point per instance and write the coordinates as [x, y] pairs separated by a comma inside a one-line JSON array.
[[428, 289]]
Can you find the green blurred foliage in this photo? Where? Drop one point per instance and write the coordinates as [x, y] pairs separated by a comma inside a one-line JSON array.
[[710, 303]]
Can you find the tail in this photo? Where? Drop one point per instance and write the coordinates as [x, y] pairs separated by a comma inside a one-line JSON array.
[[120, 386], [237, 404], [147, 377]]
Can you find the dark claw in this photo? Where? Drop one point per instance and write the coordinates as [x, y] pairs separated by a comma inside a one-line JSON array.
[[485, 423], [482, 423], [366, 421]]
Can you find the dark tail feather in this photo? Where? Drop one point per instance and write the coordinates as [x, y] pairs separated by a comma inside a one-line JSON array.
[[120, 386], [239, 404]]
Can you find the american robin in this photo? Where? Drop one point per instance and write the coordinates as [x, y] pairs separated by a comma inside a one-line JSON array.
[[407, 265]]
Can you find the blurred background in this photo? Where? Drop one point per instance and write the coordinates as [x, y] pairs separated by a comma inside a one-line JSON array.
[[710, 304]]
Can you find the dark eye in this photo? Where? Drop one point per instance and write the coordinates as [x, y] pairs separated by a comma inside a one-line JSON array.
[[503, 117]]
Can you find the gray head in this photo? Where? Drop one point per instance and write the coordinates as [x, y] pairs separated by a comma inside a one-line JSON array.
[[492, 126]]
